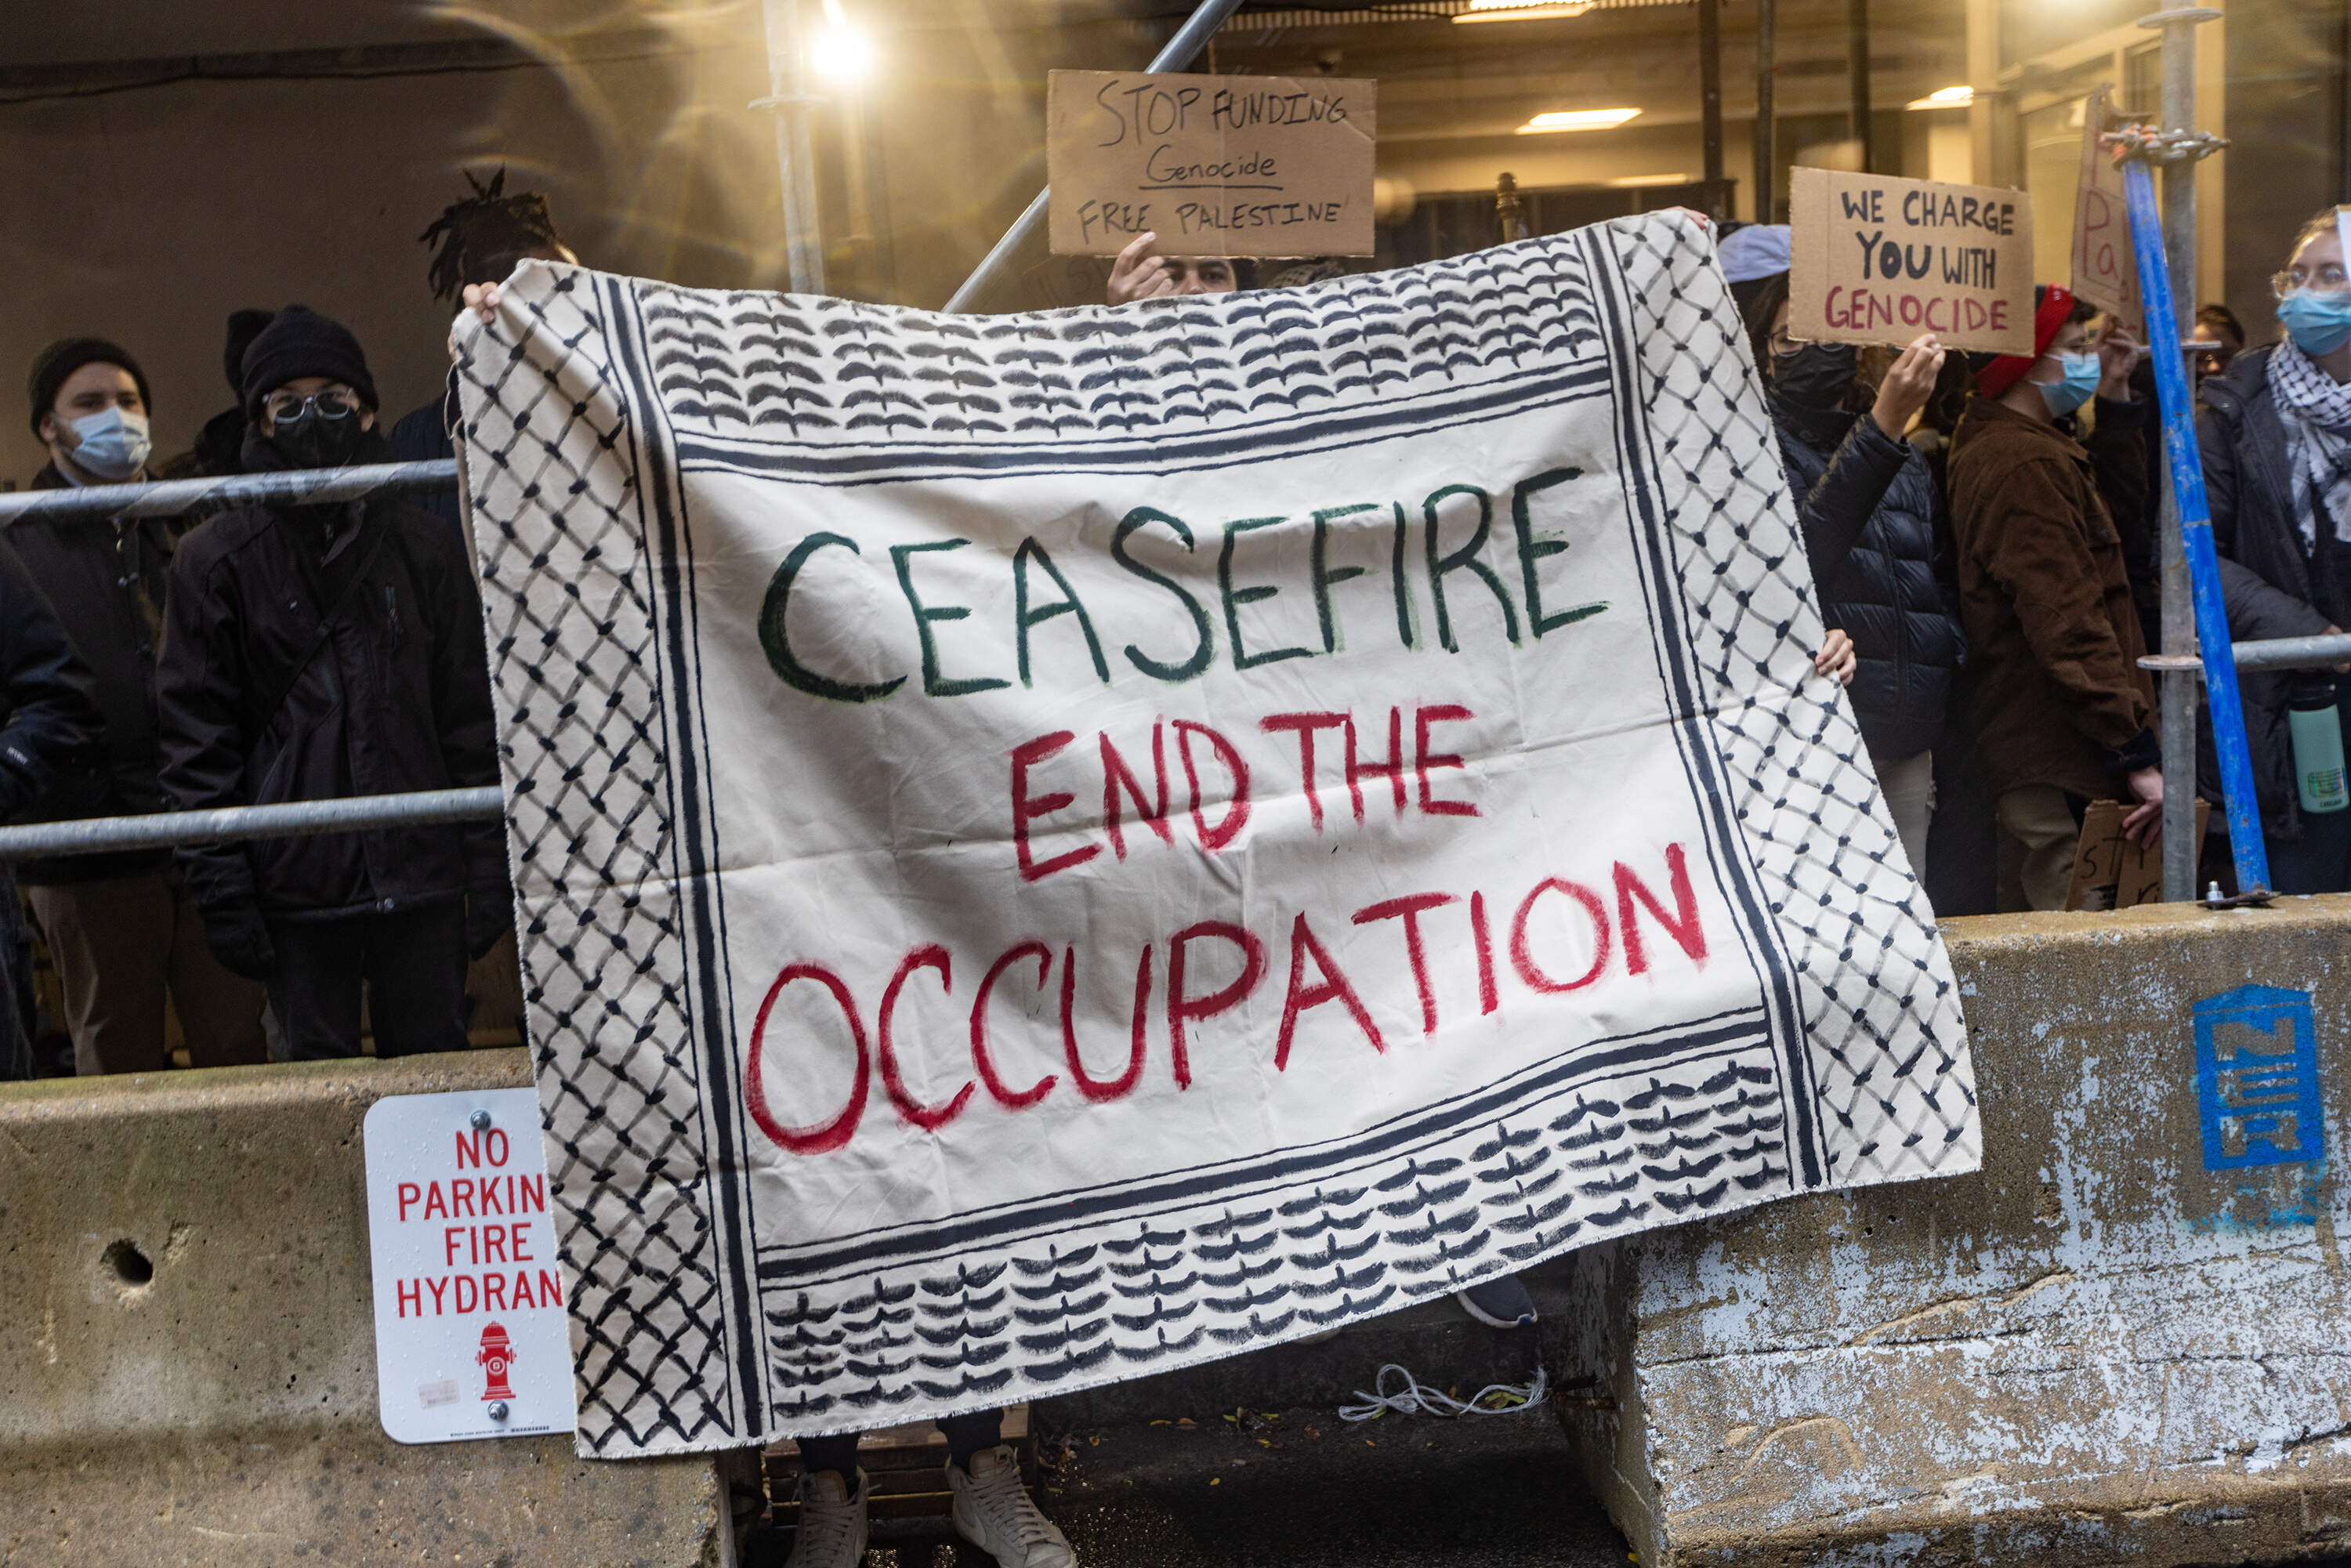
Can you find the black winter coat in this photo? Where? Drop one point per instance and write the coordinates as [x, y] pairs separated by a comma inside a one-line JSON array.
[[395, 698], [422, 435], [1868, 504], [105, 577], [46, 693], [2267, 577]]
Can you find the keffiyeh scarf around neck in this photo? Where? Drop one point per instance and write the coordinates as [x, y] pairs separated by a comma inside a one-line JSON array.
[[2316, 410]]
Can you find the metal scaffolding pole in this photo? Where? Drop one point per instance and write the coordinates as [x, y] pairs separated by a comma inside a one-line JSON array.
[[1180, 51], [2176, 678], [1856, 43], [1767, 44], [795, 109], [1710, 91]]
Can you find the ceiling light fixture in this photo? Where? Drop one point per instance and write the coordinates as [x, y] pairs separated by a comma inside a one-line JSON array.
[[1945, 98], [1577, 119], [1630, 182], [1521, 11]]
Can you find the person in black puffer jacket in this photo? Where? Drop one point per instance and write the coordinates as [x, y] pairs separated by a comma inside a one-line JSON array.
[[1868, 504], [320, 651]]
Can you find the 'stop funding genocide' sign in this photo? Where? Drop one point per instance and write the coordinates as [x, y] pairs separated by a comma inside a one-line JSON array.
[[1877, 259], [1213, 165], [470, 1339]]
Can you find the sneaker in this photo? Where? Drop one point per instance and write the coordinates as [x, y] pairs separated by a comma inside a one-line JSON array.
[[832, 1523], [995, 1512], [1501, 1302]]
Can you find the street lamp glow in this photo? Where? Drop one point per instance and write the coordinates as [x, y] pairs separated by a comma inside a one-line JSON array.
[[841, 53], [1945, 98], [1577, 119]]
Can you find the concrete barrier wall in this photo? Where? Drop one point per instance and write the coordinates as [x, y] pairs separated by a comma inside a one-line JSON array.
[[187, 1349], [2100, 1349]]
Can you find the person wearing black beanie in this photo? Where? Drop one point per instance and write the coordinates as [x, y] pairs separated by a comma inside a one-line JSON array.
[[220, 444], [318, 651], [90, 403], [120, 926]]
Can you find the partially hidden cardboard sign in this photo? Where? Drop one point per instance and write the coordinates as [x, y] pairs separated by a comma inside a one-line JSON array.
[[1877, 259], [1212, 165], [2110, 872], [2105, 266]]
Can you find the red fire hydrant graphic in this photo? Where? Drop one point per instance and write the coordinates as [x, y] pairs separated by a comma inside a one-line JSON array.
[[496, 1355]]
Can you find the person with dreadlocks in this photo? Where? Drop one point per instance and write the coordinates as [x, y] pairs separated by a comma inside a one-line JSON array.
[[476, 241]]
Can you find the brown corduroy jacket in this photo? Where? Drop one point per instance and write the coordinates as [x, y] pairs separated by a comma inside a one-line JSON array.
[[2055, 696]]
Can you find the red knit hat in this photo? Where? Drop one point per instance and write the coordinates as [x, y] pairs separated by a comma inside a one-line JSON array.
[[2053, 307]]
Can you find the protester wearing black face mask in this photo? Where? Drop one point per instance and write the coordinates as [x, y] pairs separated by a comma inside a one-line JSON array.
[[1869, 503], [320, 651]]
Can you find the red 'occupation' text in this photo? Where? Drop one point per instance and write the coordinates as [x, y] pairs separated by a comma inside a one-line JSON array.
[[1212, 967]]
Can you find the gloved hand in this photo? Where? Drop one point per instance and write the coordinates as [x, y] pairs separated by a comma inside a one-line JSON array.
[[487, 915], [239, 939]]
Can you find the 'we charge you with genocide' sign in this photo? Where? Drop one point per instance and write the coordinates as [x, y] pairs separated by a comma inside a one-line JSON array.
[[1211, 166], [1053, 847], [1877, 259]]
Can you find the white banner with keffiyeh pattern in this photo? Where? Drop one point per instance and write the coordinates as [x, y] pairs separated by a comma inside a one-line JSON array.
[[1054, 847]]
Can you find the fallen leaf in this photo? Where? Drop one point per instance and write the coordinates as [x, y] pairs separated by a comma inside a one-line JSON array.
[[1163, 1422], [1216, 1480]]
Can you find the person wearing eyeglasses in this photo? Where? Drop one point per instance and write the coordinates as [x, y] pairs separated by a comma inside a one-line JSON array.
[[120, 927], [315, 652], [2275, 432]]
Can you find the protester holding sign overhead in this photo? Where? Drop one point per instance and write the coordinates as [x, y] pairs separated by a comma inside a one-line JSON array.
[[2275, 432], [1868, 504], [2059, 707]]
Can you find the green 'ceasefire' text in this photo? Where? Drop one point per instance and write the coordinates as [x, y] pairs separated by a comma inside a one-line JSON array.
[[1456, 577]]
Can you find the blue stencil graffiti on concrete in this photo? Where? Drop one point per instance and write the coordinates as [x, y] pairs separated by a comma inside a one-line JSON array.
[[2257, 1078]]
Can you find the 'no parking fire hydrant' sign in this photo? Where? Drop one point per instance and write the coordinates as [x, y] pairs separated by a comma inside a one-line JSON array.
[[469, 1332]]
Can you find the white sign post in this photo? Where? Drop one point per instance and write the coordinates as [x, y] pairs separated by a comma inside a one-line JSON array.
[[469, 1332]]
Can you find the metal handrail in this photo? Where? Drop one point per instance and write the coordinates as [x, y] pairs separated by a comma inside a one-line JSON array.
[[169, 497], [299, 819], [168, 829]]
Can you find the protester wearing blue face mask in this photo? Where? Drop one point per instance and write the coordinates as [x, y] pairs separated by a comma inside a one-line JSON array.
[[120, 928], [2275, 432], [2057, 707]]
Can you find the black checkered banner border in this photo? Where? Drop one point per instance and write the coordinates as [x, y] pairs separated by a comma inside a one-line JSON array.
[[1054, 847]]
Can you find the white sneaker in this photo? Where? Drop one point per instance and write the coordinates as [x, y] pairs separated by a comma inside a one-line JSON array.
[[995, 1512], [832, 1533]]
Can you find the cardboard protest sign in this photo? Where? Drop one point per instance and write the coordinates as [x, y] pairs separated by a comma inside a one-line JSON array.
[[1051, 848], [2110, 872], [1212, 165], [2105, 266], [1877, 259]]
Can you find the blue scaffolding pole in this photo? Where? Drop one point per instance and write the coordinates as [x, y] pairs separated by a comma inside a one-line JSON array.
[[2187, 466]]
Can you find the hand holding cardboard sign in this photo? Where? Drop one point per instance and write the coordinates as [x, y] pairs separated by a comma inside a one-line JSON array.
[[2119, 354], [1903, 394]]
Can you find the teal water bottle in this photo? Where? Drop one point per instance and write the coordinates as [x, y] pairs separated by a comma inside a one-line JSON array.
[[2317, 728]]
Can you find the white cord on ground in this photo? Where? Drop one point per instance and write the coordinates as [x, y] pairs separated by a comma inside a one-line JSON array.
[[1418, 1399]]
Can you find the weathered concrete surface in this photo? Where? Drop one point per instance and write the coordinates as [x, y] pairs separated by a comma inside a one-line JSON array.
[[223, 1410], [2094, 1351]]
